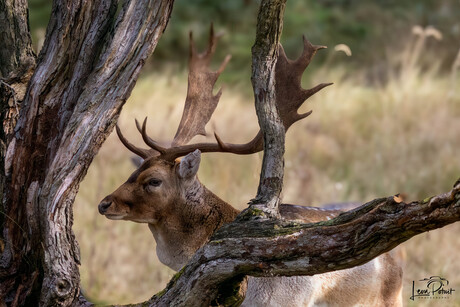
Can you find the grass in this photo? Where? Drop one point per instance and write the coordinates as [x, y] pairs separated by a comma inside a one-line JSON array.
[[363, 141]]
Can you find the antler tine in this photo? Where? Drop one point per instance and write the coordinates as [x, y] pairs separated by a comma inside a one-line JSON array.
[[192, 48], [143, 153], [253, 146], [221, 144], [148, 140], [200, 103], [304, 115], [309, 51], [223, 65], [205, 56], [211, 43], [138, 126], [310, 92]]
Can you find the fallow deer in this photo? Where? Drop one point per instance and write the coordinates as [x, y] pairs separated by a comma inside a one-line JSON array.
[[182, 213]]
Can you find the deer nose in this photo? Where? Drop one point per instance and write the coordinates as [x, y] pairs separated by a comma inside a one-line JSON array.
[[104, 205]]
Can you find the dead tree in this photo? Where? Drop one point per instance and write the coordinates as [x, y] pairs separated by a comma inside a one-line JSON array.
[[58, 108]]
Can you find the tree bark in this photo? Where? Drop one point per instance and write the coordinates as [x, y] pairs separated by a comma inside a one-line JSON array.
[[264, 57], [16, 53], [17, 61], [87, 68]]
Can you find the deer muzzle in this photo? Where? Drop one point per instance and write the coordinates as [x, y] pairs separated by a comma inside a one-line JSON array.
[[104, 205]]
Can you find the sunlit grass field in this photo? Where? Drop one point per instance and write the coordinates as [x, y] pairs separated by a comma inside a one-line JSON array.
[[364, 140]]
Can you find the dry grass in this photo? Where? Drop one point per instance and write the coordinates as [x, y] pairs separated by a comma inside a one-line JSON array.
[[360, 143]]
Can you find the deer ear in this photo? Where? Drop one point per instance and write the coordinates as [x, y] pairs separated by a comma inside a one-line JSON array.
[[188, 166], [137, 161]]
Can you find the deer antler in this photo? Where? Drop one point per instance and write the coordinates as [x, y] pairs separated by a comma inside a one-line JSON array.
[[201, 103], [289, 95], [288, 76], [141, 152], [172, 153]]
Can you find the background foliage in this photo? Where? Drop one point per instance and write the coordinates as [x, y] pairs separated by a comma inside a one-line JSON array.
[[390, 124], [374, 30]]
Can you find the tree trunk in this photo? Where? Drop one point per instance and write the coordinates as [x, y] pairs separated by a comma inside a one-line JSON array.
[[86, 70], [17, 62]]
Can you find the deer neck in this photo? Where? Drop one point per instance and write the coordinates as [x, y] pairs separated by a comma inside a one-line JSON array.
[[197, 213]]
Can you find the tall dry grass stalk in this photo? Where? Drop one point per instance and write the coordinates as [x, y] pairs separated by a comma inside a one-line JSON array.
[[416, 47], [360, 143], [454, 71]]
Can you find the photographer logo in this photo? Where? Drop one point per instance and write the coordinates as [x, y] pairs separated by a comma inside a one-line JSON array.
[[435, 287]]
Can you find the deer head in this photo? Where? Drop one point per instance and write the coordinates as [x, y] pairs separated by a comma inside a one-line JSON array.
[[165, 192], [148, 193]]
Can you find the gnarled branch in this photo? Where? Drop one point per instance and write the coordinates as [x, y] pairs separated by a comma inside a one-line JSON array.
[[261, 247]]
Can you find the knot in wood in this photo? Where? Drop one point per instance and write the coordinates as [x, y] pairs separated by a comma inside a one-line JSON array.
[[63, 288]]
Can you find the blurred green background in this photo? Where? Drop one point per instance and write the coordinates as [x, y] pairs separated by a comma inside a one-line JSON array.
[[389, 124], [374, 30]]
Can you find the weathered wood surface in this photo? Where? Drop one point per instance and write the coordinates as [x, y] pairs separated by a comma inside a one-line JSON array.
[[86, 70], [17, 61], [264, 57], [16, 53]]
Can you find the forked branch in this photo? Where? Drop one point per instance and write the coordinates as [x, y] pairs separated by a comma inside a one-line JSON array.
[[264, 59]]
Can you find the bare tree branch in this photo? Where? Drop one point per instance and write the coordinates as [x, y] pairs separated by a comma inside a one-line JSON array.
[[264, 56]]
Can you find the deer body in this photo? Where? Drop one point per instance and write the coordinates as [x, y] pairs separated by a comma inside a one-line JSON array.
[[182, 214], [368, 285]]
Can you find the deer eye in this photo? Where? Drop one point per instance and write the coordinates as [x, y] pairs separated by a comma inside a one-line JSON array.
[[154, 182]]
